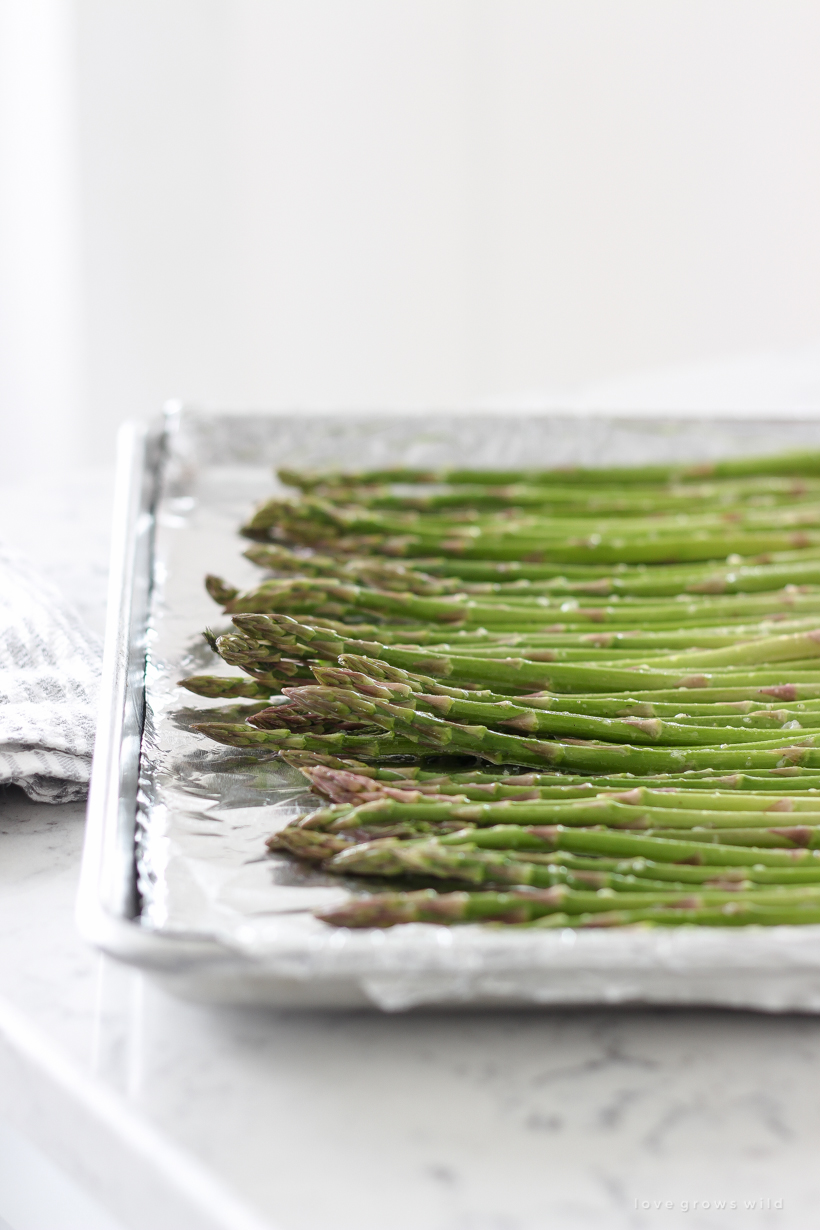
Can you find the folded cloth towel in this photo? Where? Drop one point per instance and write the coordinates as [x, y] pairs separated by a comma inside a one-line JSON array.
[[49, 677]]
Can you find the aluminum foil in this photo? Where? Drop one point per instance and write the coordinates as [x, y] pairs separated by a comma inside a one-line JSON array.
[[206, 810]]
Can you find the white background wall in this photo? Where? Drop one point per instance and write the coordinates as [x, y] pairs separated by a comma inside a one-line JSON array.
[[394, 202]]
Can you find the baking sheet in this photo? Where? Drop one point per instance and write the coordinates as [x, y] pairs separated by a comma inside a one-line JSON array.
[[205, 810]]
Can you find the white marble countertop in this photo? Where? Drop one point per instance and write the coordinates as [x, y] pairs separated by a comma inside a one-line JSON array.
[[175, 1115]]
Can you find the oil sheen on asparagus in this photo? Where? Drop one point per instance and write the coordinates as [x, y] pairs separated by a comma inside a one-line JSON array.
[[544, 698]]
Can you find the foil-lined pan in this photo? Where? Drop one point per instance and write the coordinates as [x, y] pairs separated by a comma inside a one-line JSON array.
[[175, 875]]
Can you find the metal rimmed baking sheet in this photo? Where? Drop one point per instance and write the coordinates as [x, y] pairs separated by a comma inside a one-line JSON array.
[[175, 877]]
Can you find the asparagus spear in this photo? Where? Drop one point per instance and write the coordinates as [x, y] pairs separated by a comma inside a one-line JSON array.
[[315, 519], [347, 786], [548, 524], [362, 667], [300, 721], [678, 873], [716, 800], [546, 839], [637, 870], [509, 674], [215, 686], [796, 836], [308, 844], [576, 499], [389, 857], [795, 691], [483, 571], [588, 756], [732, 580], [303, 759], [522, 906], [761, 650], [593, 549], [791, 779], [373, 571], [317, 523], [798, 462], [788, 779], [344, 786], [541, 646], [579, 813], [259, 659], [362, 745], [341, 703], [324, 596], [316, 846], [323, 845], [530, 716], [739, 915], [416, 634]]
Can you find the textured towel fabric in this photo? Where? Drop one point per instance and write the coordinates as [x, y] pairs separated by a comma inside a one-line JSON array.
[[49, 678]]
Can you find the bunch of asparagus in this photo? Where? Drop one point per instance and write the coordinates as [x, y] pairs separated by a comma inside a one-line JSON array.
[[644, 642]]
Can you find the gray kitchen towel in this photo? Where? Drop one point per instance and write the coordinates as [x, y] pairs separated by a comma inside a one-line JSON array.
[[49, 678]]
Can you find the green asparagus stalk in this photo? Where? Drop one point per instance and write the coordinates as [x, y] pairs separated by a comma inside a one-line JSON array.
[[738, 915], [798, 462], [389, 857], [340, 703], [424, 634], [348, 764], [342, 786], [661, 849], [665, 849], [785, 692], [715, 876], [317, 846], [796, 836], [761, 720], [768, 649], [593, 549], [542, 646], [573, 500], [319, 523], [361, 745], [527, 905], [320, 596], [546, 524], [732, 580], [716, 800], [215, 686], [372, 571], [508, 674], [346, 786], [434, 732], [578, 813], [300, 721], [639, 869], [531, 718], [260, 660], [791, 780], [316, 519], [619, 706], [488, 571], [308, 844], [678, 873]]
